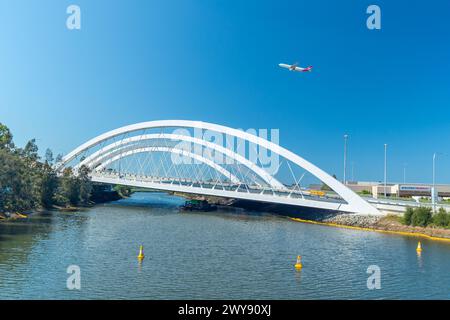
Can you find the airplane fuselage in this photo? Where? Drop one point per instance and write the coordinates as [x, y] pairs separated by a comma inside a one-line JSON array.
[[293, 67]]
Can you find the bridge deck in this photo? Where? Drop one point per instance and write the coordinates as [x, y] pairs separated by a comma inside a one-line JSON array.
[[227, 190]]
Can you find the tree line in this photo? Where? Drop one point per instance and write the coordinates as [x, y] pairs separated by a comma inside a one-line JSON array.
[[423, 217], [29, 182]]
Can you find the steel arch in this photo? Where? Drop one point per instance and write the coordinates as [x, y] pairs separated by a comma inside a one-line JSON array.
[[355, 202], [182, 152], [108, 151]]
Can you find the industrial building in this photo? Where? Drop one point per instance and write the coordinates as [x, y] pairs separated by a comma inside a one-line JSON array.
[[399, 189]]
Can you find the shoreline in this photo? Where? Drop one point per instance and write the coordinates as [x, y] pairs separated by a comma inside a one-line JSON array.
[[99, 199], [388, 228], [29, 213]]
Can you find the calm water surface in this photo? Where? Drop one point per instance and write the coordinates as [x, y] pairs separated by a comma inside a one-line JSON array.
[[220, 255]]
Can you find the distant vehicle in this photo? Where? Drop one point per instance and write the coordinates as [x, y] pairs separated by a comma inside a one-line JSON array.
[[319, 193], [294, 67]]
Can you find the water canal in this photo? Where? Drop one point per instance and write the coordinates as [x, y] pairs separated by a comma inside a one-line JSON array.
[[219, 255]]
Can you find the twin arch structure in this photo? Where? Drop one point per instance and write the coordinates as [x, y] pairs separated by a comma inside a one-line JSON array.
[[259, 185]]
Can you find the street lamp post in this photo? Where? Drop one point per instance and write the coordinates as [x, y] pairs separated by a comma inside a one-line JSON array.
[[385, 169], [433, 190], [345, 158], [353, 171]]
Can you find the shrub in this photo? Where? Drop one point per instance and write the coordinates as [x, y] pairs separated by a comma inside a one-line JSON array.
[[421, 217], [442, 218], [408, 215]]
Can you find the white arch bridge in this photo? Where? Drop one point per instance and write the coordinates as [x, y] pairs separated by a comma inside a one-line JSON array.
[[211, 160]]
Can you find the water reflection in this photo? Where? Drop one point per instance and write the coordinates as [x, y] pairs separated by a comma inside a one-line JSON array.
[[220, 255], [419, 259], [298, 276]]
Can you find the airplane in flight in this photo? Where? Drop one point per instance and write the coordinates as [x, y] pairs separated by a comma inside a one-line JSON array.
[[294, 67]]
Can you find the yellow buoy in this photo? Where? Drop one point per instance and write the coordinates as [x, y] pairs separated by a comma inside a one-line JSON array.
[[141, 253], [298, 264], [419, 247]]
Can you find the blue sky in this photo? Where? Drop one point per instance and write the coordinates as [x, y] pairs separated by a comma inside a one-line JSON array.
[[216, 61]]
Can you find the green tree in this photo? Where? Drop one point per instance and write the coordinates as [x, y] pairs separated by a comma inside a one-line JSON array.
[[33, 169], [30, 151], [58, 158], [16, 190], [6, 138], [85, 184], [421, 217], [68, 190], [49, 156], [48, 186], [408, 216], [442, 218], [26, 182]]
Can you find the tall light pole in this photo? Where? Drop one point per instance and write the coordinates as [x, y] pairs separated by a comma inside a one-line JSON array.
[[345, 158], [353, 171], [385, 169], [433, 190]]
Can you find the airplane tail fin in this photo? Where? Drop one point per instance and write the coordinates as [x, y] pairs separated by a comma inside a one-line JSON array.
[[308, 68]]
